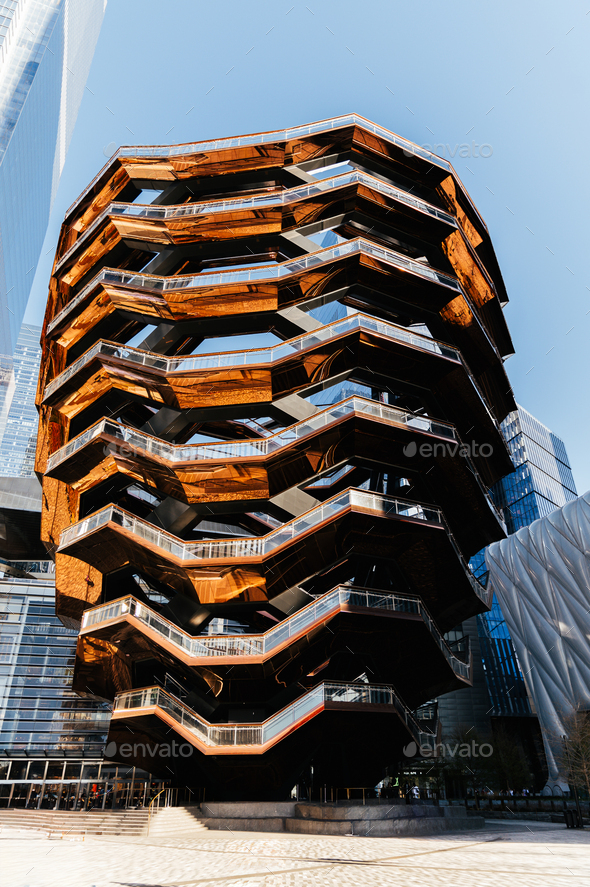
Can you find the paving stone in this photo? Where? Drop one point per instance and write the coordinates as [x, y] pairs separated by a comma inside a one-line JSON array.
[[518, 854]]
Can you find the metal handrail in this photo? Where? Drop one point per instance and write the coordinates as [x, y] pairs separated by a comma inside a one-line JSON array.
[[260, 546], [181, 453], [259, 448], [257, 546], [255, 356], [244, 646], [150, 808], [259, 201], [154, 283], [252, 735], [280, 135]]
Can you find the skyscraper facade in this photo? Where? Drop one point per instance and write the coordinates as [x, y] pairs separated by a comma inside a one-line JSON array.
[[45, 55], [18, 432], [542, 479], [39, 712], [541, 482], [270, 410], [46, 47]]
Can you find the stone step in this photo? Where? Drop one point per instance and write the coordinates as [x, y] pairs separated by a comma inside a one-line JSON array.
[[90, 822], [75, 818], [235, 824], [73, 828], [172, 820], [138, 814], [132, 823]]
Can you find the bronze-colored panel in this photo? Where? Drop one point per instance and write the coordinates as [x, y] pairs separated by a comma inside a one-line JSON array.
[[308, 654], [236, 222], [108, 310], [239, 479], [100, 669], [218, 392], [425, 552], [78, 587]]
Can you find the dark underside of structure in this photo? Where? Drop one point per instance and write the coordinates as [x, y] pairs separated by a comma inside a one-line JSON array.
[[263, 539]]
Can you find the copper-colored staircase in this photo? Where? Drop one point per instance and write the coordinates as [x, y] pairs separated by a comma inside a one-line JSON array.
[[266, 541]]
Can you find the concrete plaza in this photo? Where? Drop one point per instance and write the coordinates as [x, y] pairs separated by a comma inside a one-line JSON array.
[[518, 854]]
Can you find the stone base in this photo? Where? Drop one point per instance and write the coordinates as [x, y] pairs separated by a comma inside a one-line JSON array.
[[365, 820]]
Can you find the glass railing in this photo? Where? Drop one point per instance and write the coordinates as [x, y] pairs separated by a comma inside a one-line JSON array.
[[248, 449], [251, 546], [30, 566], [256, 356], [257, 547], [262, 645], [285, 135], [259, 201], [280, 136], [261, 734], [151, 283], [290, 195]]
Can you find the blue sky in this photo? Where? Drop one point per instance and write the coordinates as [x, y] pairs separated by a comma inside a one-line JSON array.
[[512, 77]]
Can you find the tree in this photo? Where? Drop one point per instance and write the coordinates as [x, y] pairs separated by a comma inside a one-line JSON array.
[[574, 754], [466, 762], [509, 767]]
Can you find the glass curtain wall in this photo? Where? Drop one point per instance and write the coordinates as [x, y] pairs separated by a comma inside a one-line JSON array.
[[542, 481]]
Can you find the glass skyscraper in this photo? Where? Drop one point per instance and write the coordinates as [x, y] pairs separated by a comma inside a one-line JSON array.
[[38, 710], [18, 433], [542, 481], [46, 47]]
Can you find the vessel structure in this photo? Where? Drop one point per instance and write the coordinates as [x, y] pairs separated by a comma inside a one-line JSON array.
[[270, 395]]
